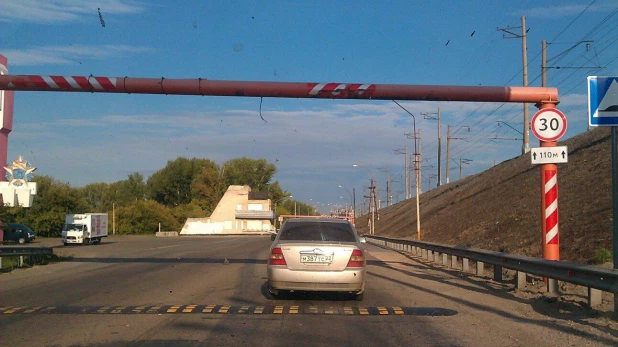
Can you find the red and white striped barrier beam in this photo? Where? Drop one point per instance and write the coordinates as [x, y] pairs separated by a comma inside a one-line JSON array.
[[202, 86]]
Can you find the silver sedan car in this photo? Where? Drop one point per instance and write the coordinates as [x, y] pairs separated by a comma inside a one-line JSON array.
[[317, 254]]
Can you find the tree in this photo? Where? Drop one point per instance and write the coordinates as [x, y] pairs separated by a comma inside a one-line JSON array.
[[256, 173], [95, 195], [171, 186], [276, 194], [208, 187], [131, 189], [143, 217]]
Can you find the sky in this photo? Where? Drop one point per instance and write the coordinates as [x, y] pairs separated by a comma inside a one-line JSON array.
[[81, 138]]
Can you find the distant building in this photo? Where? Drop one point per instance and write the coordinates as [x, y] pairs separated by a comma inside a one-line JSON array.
[[239, 211]]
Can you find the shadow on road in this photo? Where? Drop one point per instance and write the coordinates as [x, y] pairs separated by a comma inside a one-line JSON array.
[[222, 261], [541, 306]]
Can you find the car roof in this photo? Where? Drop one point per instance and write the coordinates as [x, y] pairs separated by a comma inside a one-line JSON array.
[[317, 220], [13, 224]]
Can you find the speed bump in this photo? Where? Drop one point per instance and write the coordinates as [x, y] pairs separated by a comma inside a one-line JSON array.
[[230, 310]]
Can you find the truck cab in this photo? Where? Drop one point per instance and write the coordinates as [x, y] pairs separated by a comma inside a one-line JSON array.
[[75, 233]]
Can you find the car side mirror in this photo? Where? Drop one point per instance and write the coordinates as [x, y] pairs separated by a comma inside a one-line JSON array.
[[273, 237], [363, 239]]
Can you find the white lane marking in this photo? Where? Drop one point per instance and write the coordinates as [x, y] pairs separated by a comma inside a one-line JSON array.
[[162, 247]]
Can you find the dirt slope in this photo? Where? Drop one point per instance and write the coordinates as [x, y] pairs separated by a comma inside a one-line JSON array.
[[500, 208]]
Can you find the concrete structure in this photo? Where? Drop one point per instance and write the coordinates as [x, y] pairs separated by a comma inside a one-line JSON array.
[[238, 212]]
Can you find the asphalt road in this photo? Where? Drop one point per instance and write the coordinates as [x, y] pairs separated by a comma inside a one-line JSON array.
[[137, 290]]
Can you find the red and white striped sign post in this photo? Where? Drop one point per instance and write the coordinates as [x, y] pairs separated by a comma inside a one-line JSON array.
[[548, 125]]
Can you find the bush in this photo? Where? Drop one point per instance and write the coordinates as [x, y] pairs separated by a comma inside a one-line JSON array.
[[143, 217], [602, 255]]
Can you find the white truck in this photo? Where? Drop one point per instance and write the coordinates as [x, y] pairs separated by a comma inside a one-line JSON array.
[[84, 228]]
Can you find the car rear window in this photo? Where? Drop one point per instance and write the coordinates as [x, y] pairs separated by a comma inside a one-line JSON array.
[[336, 232]]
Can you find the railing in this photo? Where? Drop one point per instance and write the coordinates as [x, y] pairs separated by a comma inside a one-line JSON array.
[[597, 279], [34, 253], [249, 214]]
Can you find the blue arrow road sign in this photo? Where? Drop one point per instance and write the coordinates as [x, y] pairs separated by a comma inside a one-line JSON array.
[[603, 100]]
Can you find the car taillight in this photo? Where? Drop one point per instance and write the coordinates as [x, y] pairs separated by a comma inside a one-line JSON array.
[[276, 257], [357, 259]]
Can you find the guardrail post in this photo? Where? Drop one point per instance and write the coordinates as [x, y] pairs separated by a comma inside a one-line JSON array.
[[429, 255], [436, 257], [423, 253], [465, 265], [453, 264], [595, 297], [497, 273], [480, 270], [552, 285], [521, 279], [444, 259]]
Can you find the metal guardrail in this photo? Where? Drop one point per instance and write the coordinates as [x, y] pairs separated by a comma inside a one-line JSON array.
[[6, 251], [595, 278], [33, 252]]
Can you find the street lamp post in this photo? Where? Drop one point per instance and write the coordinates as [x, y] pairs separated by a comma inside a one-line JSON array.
[[285, 197], [417, 178], [353, 197], [372, 204]]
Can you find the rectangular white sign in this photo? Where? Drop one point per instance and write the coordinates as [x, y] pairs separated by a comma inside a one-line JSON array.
[[549, 155]]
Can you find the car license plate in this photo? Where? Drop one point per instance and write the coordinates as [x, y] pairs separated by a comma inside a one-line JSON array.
[[316, 258]]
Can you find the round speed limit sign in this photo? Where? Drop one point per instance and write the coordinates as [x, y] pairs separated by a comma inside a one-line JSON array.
[[548, 124]]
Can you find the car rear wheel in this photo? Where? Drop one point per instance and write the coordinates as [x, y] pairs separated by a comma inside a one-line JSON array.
[[274, 293], [21, 240]]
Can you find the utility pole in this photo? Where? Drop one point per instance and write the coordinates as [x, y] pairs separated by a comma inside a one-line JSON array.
[[418, 162], [377, 196], [354, 203], [461, 162], [429, 177], [417, 180], [448, 145], [372, 207], [429, 116], [385, 169], [525, 148], [404, 151], [543, 64]]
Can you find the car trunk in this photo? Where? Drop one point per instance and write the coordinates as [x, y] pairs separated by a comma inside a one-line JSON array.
[[308, 256]]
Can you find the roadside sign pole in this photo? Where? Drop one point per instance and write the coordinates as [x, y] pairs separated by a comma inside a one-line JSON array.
[[602, 100], [615, 208], [549, 209], [615, 203]]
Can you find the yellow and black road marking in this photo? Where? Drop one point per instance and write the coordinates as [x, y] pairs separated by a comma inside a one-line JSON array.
[[230, 309]]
